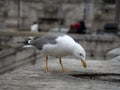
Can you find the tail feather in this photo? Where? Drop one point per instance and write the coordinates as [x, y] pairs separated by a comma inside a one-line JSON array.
[[28, 46], [27, 42]]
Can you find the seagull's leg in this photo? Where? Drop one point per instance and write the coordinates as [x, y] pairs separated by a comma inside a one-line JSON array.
[[63, 69], [47, 69]]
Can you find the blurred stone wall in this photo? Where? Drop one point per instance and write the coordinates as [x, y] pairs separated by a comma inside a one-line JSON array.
[[71, 11]]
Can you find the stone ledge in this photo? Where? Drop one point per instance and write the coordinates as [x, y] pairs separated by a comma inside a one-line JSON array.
[[35, 78]]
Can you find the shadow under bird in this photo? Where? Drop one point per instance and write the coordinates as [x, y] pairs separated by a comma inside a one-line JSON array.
[[58, 45]]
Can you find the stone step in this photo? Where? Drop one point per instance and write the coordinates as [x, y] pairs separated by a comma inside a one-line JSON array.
[[99, 75]]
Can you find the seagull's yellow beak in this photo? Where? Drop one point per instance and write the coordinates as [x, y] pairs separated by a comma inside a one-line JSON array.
[[84, 62]]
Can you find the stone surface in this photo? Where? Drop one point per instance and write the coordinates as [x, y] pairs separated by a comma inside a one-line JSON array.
[[99, 75], [114, 54]]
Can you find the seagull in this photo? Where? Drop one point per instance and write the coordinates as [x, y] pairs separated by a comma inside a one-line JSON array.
[[58, 45]]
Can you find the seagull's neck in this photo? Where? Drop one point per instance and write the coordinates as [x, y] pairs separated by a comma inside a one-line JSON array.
[[79, 48]]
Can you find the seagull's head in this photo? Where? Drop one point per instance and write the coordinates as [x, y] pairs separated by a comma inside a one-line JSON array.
[[80, 54]]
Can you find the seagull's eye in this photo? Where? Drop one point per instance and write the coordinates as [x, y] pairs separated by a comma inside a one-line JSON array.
[[81, 54]]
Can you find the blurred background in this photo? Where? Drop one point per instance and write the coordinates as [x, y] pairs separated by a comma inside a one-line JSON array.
[[20, 14], [101, 18]]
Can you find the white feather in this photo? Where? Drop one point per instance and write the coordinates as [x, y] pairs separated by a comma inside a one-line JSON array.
[[28, 46]]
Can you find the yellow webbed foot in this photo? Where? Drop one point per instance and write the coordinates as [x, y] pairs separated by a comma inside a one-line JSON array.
[[66, 71], [48, 70]]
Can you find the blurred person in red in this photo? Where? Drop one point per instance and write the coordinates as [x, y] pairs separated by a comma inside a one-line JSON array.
[[82, 28], [76, 26]]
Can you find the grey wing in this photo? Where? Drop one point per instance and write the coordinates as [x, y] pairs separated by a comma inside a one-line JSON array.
[[48, 38]]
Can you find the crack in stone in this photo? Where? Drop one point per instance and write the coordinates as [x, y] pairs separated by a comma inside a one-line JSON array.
[[110, 77]]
